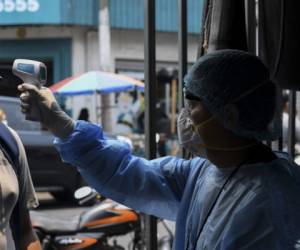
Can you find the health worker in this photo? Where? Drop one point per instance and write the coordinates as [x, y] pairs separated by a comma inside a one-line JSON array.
[[235, 194]]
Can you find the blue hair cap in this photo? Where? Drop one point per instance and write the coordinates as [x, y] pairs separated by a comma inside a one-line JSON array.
[[232, 77]]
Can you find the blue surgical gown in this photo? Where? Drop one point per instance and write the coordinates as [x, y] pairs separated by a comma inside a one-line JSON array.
[[258, 208]]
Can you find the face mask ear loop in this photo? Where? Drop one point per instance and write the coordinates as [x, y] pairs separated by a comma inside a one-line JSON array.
[[202, 124], [238, 148], [196, 127], [248, 92]]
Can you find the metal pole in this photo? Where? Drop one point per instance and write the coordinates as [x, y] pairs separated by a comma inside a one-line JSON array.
[[96, 107], [280, 140], [183, 39], [257, 14], [150, 100], [251, 23], [105, 62], [292, 118]]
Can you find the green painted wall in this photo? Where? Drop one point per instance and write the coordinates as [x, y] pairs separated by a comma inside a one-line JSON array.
[[56, 50], [49, 12]]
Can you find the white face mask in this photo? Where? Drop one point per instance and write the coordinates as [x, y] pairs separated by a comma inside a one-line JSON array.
[[188, 137]]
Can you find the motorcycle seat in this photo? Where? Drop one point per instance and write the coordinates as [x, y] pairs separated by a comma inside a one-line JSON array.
[[65, 221], [55, 223]]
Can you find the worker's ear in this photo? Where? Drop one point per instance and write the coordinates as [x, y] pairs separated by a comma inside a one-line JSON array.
[[232, 115]]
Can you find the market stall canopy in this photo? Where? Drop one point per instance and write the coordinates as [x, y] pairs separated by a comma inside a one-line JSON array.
[[96, 82]]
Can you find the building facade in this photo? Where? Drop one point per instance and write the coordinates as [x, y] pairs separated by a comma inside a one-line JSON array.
[[64, 34]]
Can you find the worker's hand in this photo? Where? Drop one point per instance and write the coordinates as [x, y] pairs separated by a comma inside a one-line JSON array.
[[46, 109]]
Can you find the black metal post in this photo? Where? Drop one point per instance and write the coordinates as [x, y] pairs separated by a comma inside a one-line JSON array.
[[150, 100], [292, 119], [280, 140], [182, 53], [182, 39], [251, 23]]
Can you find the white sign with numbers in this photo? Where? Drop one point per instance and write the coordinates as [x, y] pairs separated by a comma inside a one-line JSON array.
[[19, 6]]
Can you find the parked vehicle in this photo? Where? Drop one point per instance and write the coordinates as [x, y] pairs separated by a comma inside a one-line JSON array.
[[90, 229], [48, 172], [93, 227]]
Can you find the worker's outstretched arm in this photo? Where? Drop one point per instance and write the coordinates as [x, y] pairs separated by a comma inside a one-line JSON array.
[[154, 187]]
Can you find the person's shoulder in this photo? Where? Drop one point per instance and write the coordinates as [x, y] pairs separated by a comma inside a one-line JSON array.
[[199, 166], [5, 128], [285, 164], [21, 149], [10, 137], [283, 180], [199, 162], [12, 131], [16, 136]]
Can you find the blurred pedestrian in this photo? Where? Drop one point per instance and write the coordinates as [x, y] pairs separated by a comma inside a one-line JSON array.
[[84, 115]]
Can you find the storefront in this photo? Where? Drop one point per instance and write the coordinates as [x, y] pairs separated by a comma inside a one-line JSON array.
[[49, 31], [64, 35]]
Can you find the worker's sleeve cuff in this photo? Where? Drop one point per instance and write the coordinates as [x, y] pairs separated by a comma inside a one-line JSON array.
[[83, 138]]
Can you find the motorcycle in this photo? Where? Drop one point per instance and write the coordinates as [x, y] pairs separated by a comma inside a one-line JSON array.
[[93, 227]]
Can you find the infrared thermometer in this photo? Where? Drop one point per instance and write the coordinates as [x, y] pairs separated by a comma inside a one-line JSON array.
[[32, 72], [29, 71]]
